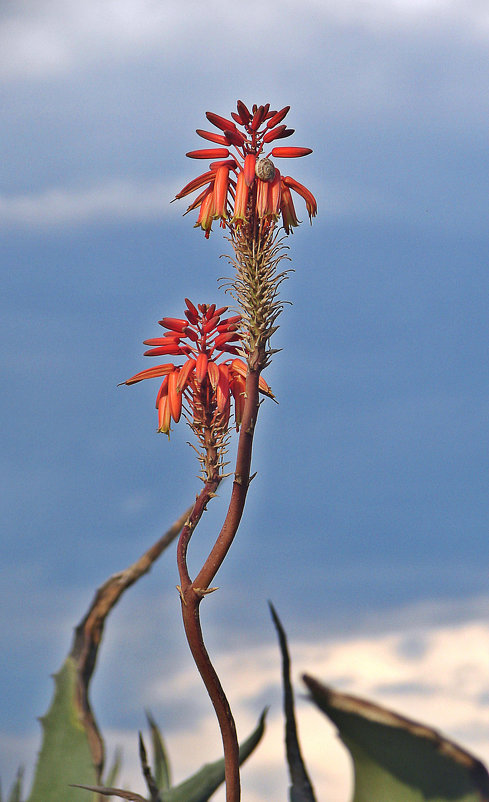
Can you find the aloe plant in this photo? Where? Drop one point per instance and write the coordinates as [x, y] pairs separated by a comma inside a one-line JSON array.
[[396, 758]]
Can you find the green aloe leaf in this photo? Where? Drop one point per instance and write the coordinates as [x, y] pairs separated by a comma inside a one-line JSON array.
[[301, 789], [201, 786], [103, 791], [399, 760], [115, 768], [161, 762], [72, 748], [65, 756], [16, 791]]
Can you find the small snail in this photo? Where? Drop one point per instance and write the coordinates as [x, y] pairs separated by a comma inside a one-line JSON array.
[[265, 170]]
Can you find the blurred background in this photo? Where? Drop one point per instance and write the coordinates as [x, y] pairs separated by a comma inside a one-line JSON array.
[[367, 523]]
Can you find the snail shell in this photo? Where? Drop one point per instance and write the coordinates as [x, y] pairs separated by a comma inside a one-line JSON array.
[[265, 170]]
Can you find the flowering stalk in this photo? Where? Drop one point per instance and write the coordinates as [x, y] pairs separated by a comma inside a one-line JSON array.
[[244, 188], [246, 192], [203, 388]]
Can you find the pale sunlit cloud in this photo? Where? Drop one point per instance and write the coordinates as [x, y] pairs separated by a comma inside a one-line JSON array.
[[422, 673], [113, 200], [56, 37]]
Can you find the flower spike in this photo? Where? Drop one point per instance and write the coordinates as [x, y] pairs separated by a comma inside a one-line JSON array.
[[234, 190], [205, 383]]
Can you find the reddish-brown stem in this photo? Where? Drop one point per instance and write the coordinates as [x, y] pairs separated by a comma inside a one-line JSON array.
[[192, 593], [190, 613], [199, 508], [240, 486]]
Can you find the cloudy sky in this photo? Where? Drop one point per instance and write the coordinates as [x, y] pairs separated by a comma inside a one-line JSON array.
[[367, 523]]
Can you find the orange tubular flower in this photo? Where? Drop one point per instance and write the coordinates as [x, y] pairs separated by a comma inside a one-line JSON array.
[[287, 208], [309, 198], [242, 198], [205, 382]]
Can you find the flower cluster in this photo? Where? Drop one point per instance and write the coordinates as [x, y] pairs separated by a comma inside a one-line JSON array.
[[207, 387], [243, 185]]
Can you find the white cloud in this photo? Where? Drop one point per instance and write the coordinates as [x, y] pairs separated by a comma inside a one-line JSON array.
[[121, 200], [420, 672], [434, 672], [54, 37], [109, 201]]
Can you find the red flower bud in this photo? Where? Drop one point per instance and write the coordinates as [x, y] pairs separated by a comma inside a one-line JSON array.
[[165, 350], [192, 313], [210, 324], [213, 373], [231, 163], [208, 153], [173, 323], [243, 112], [222, 392], [259, 116], [234, 138], [184, 375], [278, 117], [201, 368], [290, 153], [174, 397], [218, 138], [275, 133], [219, 122], [249, 168]]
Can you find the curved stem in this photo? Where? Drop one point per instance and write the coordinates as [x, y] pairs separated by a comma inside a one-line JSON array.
[[190, 613], [192, 593]]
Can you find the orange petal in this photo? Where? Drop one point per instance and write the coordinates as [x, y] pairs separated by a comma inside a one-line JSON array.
[[213, 373], [150, 373], [164, 415], [162, 391], [239, 367], [262, 198], [221, 185], [222, 392], [238, 388], [241, 199], [172, 349], [184, 375], [174, 397], [309, 198], [289, 216], [275, 194], [201, 368], [249, 169], [196, 183]]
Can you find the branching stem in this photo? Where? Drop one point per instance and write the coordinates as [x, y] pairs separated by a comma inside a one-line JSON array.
[[192, 593]]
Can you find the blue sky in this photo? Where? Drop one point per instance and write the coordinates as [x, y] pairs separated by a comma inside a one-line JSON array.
[[369, 513]]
